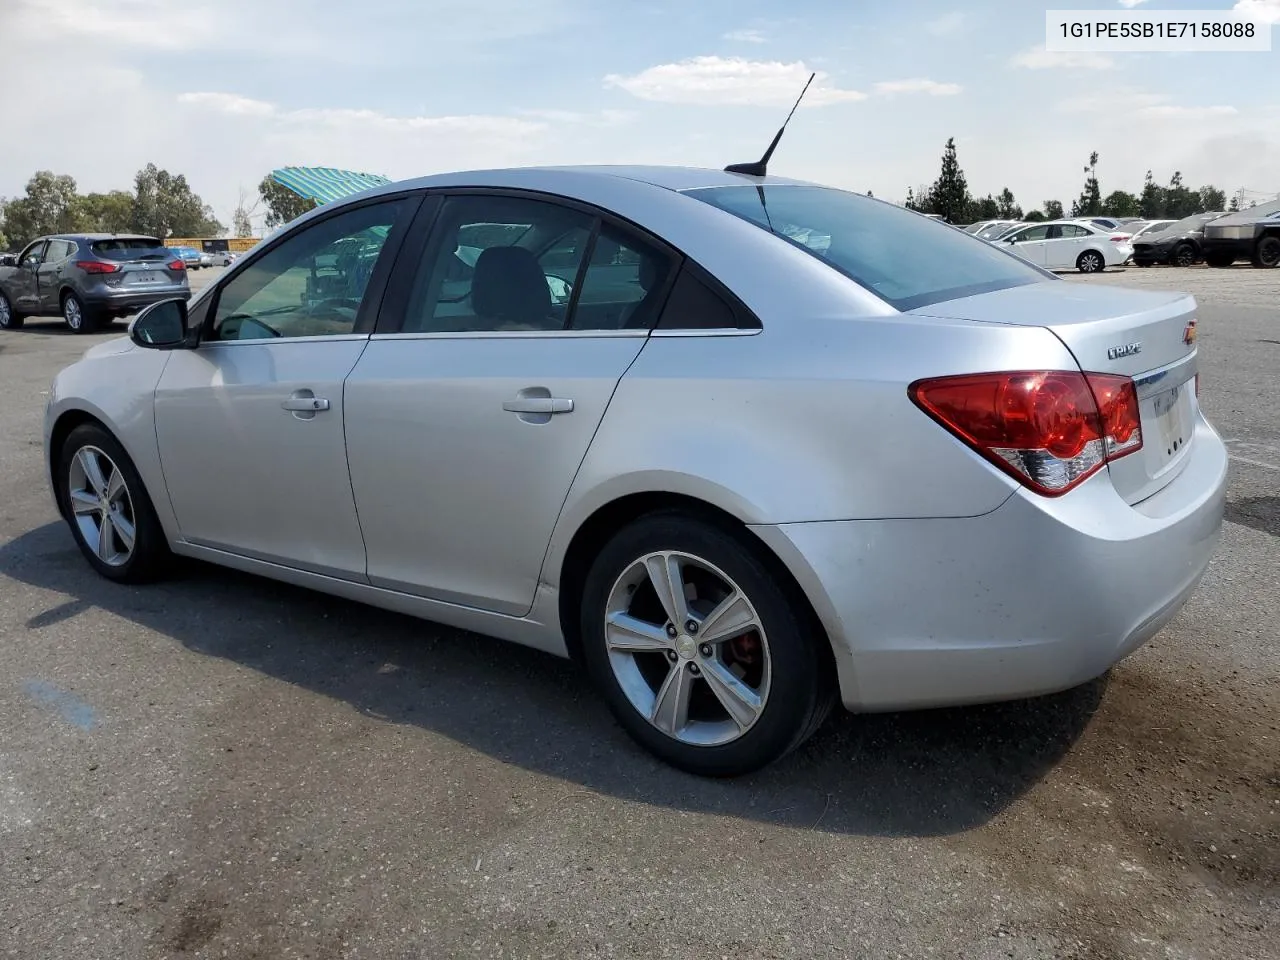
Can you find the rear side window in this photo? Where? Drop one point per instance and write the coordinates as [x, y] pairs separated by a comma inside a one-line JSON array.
[[131, 248], [694, 305], [905, 259]]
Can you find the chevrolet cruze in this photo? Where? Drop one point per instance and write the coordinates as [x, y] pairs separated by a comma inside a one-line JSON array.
[[743, 446]]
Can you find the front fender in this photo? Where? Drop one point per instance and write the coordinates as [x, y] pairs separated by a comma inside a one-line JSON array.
[[115, 383]]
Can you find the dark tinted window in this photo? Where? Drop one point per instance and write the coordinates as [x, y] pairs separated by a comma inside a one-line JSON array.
[[694, 305], [623, 285], [131, 248], [906, 259], [499, 264]]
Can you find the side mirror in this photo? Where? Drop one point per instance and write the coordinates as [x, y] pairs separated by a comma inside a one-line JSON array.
[[161, 326]]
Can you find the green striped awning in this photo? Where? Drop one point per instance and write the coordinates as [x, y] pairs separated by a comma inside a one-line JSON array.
[[323, 184]]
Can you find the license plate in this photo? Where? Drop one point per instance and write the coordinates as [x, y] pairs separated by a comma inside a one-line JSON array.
[[147, 276], [1172, 431]]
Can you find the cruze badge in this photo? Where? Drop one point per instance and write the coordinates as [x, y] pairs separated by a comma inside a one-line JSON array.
[[1124, 350], [1189, 334]]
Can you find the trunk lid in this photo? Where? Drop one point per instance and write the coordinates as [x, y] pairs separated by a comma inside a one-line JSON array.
[[1137, 333]]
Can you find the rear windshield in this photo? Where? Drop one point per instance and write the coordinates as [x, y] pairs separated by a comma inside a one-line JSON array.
[[905, 259], [131, 248]]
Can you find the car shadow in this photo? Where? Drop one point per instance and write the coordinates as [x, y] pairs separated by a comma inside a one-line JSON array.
[[923, 773]]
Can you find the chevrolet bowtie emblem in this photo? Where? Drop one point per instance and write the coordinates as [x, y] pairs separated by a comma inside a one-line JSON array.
[[1189, 334]]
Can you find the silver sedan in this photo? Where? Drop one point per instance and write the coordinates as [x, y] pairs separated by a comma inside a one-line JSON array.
[[745, 447]]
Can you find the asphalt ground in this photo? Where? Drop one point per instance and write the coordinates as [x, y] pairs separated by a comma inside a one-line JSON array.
[[221, 766]]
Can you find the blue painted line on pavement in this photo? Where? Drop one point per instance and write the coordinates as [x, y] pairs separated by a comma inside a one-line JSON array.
[[68, 706]]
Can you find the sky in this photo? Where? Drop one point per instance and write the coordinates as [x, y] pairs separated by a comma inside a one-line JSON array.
[[225, 91]]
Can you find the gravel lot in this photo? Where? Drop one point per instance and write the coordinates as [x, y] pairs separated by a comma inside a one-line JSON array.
[[220, 766]]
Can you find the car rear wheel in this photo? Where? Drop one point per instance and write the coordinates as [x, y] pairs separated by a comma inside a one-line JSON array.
[[1267, 252], [1090, 262], [10, 319], [74, 313], [702, 656], [1184, 255], [107, 507]]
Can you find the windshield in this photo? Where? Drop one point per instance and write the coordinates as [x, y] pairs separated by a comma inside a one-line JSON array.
[[905, 259], [1188, 223]]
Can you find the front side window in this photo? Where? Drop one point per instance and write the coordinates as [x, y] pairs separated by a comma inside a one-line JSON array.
[[313, 284], [901, 257], [1032, 233], [31, 255]]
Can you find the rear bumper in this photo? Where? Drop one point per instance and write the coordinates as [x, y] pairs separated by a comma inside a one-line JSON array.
[[128, 301], [1037, 596]]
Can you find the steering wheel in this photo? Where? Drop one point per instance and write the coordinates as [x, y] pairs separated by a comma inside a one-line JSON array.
[[248, 318]]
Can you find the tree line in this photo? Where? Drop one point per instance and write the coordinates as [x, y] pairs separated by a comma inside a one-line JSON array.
[[161, 204], [949, 197]]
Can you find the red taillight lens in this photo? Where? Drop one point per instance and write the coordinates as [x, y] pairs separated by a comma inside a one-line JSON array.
[[97, 266], [1121, 238], [177, 265], [1050, 429]]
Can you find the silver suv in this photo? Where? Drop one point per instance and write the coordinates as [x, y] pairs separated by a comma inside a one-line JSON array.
[[89, 279]]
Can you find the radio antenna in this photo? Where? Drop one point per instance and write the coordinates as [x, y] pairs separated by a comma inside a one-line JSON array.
[[761, 166]]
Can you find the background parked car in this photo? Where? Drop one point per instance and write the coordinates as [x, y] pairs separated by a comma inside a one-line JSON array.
[[1252, 234], [222, 258], [992, 229], [190, 256], [8, 259], [1136, 230], [89, 279], [1064, 244], [1178, 243]]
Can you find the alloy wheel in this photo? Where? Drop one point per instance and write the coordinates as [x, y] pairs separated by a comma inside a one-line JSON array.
[[1090, 263], [6, 312], [687, 648], [72, 313], [101, 505]]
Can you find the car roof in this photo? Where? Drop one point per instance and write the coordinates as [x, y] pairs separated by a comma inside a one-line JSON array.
[[669, 178], [94, 237]]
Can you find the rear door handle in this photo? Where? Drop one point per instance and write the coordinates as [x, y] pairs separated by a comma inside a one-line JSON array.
[[538, 405], [306, 404]]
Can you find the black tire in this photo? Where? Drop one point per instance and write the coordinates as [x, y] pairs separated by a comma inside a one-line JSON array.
[[1266, 253], [150, 552], [1219, 259], [77, 317], [10, 319], [1091, 261], [1184, 255], [802, 687]]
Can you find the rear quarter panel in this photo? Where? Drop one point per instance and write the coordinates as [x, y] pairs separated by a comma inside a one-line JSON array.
[[805, 421]]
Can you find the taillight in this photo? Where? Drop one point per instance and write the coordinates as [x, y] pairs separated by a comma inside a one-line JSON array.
[[177, 265], [1049, 429], [1121, 238], [97, 266]]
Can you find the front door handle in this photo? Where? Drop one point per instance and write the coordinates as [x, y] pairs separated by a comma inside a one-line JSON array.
[[538, 405], [305, 404]]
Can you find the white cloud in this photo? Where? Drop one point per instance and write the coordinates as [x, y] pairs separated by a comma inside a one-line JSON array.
[[712, 81], [353, 120], [947, 24], [918, 85], [1038, 58], [1268, 11], [1140, 105], [141, 23], [746, 36], [229, 103]]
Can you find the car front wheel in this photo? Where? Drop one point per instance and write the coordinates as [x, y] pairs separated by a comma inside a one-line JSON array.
[[107, 507], [10, 319], [703, 657]]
